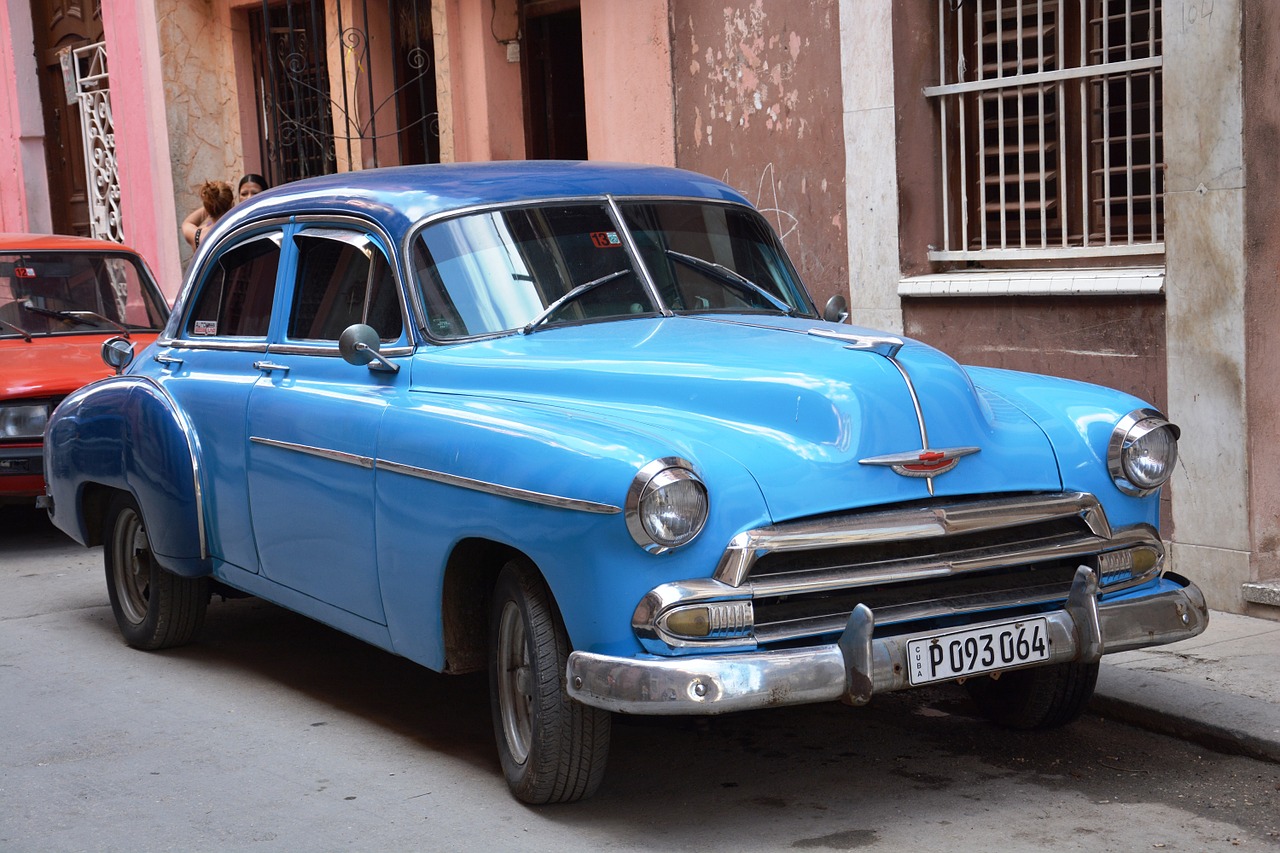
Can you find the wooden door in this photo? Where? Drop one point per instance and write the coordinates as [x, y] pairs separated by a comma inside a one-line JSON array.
[[64, 25]]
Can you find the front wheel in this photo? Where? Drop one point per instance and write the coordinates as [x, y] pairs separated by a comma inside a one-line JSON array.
[[553, 749], [1044, 697], [154, 608]]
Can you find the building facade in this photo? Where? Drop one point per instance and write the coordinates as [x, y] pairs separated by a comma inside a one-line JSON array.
[[1078, 187]]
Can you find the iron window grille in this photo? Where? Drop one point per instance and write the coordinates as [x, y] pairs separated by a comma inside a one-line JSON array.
[[1050, 129]]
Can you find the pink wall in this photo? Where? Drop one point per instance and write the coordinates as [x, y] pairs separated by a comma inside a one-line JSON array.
[[24, 204], [626, 60], [142, 137], [488, 108]]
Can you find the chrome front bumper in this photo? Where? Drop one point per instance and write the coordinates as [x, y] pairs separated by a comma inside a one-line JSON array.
[[858, 665]]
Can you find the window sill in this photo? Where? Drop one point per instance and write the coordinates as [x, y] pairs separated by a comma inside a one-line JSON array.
[[1112, 281]]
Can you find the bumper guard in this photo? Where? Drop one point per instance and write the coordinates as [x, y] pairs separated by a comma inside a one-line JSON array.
[[859, 666]]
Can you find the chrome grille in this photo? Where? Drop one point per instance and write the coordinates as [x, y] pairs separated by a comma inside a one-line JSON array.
[[926, 561]]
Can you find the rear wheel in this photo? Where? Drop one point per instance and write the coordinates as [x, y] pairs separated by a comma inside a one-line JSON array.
[[1041, 698], [154, 608], [553, 749]]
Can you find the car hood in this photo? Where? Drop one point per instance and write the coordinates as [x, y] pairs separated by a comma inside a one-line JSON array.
[[799, 411], [55, 365]]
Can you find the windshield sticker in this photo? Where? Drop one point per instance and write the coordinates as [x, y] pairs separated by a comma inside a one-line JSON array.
[[24, 272], [605, 239], [204, 327]]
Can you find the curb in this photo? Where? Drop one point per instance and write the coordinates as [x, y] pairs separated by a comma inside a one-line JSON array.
[[1224, 722]]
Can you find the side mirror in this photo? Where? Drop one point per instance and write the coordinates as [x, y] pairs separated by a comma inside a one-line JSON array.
[[117, 352], [359, 345], [836, 310]]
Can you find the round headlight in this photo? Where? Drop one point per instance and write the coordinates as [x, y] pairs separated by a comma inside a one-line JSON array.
[[666, 505], [1143, 451]]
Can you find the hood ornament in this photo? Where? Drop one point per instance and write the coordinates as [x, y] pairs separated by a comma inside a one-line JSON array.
[[929, 462]]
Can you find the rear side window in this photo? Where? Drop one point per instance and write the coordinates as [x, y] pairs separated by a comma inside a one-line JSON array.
[[343, 278], [235, 300]]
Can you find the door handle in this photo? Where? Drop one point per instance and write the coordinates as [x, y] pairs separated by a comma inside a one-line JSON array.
[[168, 360], [269, 366]]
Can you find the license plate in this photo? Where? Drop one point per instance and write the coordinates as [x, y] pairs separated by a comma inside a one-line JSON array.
[[977, 650]]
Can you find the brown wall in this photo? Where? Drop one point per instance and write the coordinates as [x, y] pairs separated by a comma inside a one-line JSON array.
[[1110, 340], [758, 104], [1262, 276]]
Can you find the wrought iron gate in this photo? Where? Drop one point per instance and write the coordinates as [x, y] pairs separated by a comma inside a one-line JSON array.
[[93, 95], [317, 119]]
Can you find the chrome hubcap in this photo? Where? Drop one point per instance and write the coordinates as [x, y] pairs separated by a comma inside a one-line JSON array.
[[515, 682], [131, 563]]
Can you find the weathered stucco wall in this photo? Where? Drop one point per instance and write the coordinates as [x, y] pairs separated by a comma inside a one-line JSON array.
[[626, 65], [1262, 274], [1205, 294], [758, 105], [203, 111]]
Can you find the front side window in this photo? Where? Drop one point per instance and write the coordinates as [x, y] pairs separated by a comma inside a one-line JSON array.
[[235, 299], [343, 279], [517, 269], [1051, 128], [50, 293]]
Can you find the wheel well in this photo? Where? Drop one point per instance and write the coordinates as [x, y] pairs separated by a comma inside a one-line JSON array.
[[94, 498], [469, 577]]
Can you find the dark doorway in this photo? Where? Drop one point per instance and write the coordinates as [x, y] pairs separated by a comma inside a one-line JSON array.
[[61, 26], [555, 104]]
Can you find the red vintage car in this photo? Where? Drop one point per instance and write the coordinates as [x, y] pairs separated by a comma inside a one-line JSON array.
[[60, 299]]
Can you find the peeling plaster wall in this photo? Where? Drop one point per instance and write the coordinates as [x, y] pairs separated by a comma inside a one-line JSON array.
[[203, 111], [758, 105]]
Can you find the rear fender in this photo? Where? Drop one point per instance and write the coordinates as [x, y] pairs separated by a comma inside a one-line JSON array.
[[126, 433]]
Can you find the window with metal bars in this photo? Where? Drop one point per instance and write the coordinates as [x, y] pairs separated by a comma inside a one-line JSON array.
[[1050, 121]]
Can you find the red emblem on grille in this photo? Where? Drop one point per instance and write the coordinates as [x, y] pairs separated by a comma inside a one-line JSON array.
[[922, 463]]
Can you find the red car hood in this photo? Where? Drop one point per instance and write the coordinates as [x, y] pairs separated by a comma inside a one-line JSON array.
[[55, 366]]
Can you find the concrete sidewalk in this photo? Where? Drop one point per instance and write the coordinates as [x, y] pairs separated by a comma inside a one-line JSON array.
[[1221, 688]]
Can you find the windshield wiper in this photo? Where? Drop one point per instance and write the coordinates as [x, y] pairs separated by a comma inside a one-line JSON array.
[[78, 317], [25, 334], [730, 277], [576, 293]]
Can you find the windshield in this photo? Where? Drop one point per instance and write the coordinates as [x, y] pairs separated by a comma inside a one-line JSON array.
[[50, 293], [524, 268], [500, 270], [714, 258]]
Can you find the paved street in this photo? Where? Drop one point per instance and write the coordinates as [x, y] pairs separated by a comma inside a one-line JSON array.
[[276, 734]]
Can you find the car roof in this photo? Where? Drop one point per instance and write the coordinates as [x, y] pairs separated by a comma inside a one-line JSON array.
[[399, 196], [20, 242]]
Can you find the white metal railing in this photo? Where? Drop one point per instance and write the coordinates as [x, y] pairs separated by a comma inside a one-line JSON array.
[[98, 131], [1050, 117]]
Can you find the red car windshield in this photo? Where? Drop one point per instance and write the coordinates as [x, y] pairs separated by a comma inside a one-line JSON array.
[[52, 293]]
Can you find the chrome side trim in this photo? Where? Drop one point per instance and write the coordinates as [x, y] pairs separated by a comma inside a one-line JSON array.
[[859, 666], [226, 345], [321, 452], [330, 351], [898, 525], [495, 489]]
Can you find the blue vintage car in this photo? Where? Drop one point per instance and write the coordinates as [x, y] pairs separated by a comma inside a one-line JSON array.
[[581, 424]]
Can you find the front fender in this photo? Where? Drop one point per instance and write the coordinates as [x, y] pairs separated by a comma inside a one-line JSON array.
[[596, 571], [126, 433], [1078, 418]]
